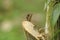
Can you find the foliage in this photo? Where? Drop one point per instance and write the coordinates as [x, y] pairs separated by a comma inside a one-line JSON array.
[[54, 15], [16, 12]]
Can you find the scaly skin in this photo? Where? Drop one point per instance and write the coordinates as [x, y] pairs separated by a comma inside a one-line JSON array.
[[30, 32]]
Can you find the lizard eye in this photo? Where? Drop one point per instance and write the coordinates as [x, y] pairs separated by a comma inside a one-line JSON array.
[[28, 17]]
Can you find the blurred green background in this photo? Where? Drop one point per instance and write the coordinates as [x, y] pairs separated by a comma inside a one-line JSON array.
[[12, 12]]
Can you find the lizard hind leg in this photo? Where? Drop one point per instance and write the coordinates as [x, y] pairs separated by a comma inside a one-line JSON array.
[[42, 37]]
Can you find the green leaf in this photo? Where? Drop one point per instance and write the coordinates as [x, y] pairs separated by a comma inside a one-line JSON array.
[[56, 33], [55, 14]]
